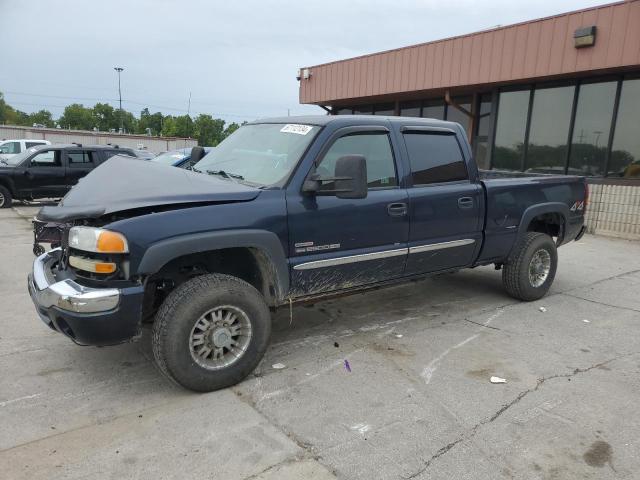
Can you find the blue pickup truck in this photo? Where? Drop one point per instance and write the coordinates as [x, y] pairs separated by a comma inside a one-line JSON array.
[[283, 211]]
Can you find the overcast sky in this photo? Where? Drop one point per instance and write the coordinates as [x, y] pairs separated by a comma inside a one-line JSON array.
[[237, 57]]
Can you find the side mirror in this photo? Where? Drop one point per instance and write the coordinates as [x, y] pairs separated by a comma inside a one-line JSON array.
[[196, 154], [350, 179]]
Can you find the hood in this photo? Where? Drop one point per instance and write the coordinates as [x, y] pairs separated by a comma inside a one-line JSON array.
[[122, 183]]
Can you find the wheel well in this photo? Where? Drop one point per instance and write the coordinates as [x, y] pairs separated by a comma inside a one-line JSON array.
[[550, 223], [6, 184], [249, 264]]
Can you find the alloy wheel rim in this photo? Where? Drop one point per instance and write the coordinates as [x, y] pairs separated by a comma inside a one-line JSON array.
[[539, 268], [2, 199], [220, 337]]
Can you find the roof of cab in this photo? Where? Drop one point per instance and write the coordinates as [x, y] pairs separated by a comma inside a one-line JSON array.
[[322, 120]]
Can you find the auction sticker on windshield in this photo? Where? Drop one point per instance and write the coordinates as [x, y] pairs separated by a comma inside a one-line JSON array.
[[295, 128]]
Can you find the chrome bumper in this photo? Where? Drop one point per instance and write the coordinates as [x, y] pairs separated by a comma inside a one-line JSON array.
[[67, 294]]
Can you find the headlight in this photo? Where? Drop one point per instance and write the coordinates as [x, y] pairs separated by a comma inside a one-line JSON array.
[[98, 240]]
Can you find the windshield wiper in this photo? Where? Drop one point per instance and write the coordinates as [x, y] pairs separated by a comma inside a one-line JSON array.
[[224, 174], [2, 160]]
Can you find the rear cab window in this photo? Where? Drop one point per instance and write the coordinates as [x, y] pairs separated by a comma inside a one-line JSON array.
[[81, 158], [435, 157]]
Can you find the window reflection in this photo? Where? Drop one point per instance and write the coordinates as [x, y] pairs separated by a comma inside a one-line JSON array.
[[433, 109], [410, 109], [591, 128], [625, 154], [455, 115], [550, 119], [510, 130]]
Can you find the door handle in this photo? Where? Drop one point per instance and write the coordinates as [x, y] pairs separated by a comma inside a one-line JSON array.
[[397, 209], [465, 202]]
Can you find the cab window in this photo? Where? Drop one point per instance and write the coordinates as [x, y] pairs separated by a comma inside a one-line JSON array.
[[376, 149], [10, 148], [49, 158]]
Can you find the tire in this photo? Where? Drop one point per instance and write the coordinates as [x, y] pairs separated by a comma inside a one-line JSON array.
[[523, 276], [5, 197], [179, 325]]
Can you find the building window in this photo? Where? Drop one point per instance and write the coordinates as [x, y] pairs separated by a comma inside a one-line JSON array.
[[384, 109], [455, 115], [510, 130], [344, 111], [434, 158], [591, 128], [481, 143], [625, 153], [363, 110], [410, 109], [550, 121], [433, 109]]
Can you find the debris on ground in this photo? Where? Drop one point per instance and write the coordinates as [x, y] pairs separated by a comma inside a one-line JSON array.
[[542, 309], [399, 335], [347, 366], [498, 380], [336, 344], [278, 366], [586, 321]]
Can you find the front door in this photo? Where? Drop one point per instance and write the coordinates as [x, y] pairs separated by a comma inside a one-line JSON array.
[[340, 243], [446, 208], [45, 176]]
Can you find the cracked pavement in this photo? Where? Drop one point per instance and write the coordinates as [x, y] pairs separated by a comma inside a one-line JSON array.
[[417, 403]]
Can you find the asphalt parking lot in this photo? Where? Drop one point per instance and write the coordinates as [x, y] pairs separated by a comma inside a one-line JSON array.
[[416, 403]]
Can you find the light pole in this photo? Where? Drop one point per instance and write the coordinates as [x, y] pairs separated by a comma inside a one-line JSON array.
[[119, 70]]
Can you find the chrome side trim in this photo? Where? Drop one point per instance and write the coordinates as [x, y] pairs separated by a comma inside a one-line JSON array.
[[351, 259], [439, 246]]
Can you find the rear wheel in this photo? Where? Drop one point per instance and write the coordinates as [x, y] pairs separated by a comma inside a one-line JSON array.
[[5, 197], [530, 271], [211, 332]]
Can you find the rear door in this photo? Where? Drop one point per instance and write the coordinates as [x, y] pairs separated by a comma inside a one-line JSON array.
[[446, 207], [340, 243], [79, 163]]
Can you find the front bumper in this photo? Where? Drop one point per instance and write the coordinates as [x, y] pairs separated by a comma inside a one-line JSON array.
[[89, 316]]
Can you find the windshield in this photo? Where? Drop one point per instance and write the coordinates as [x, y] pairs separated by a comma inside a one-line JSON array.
[[17, 159], [262, 153], [169, 158]]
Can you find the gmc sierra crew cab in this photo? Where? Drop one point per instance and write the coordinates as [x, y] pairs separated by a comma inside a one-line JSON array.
[[284, 211]]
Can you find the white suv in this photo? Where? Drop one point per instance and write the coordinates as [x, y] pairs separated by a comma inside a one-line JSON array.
[[9, 148]]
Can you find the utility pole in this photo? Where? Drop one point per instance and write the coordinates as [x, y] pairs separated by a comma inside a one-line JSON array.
[[119, 70], [189, 106]]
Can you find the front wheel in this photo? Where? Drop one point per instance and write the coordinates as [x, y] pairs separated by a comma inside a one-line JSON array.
[[5, 197], [530, 271], [211, 332]]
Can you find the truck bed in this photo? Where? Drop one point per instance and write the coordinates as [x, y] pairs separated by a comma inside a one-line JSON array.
[[514, 200]]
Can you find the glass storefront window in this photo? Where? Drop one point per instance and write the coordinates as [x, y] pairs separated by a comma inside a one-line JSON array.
[[363, 110], [591, 128], [550, 119], [433, 109], [344, 111], [625, 153], [410, 109], [481, 143], [455, 115], [510, 130], [384, 109]]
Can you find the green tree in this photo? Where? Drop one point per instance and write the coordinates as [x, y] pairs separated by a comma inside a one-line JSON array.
[[184, 126], [208, 130], [77, 117], [169, 126], [104, 117], [43, 117], [231, 128]]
